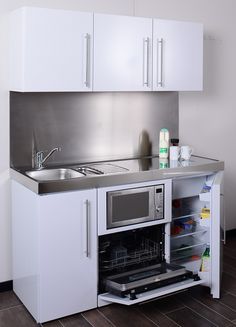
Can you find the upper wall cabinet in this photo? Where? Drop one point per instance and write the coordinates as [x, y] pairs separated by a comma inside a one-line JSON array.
[[51, 50], [122, 53], [177, 56], [61, 50]]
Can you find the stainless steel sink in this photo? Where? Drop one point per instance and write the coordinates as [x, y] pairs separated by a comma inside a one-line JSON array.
[[53, 174]]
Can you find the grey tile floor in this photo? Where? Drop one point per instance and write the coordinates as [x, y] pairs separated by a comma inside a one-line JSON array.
[[193, 308]]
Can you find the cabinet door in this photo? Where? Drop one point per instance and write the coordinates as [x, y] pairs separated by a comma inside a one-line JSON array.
[[51, 50], [217, 229], [122, 53], [68, 254], [177, 56]]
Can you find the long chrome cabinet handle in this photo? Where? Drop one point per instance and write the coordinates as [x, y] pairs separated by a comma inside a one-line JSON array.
[[146, 45], [160, 63], [87, 227], [224, 222], [224, 232], [87, 60]]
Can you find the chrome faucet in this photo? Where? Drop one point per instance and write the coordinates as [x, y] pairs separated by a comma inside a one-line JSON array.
[[40, 159]]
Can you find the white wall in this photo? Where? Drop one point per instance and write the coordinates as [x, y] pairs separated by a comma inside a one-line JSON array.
[[206, 118]]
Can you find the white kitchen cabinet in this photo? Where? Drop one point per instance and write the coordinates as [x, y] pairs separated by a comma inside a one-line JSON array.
[[54, 251], [177, 56], [122, 53], [51, 50], [60, 50]]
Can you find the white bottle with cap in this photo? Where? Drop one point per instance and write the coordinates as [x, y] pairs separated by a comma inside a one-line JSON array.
[[164, 143]]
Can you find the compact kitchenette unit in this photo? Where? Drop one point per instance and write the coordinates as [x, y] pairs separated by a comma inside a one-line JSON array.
[[99, 244], [105, 222]]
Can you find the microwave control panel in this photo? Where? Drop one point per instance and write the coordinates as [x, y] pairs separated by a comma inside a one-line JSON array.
[[159, 201]]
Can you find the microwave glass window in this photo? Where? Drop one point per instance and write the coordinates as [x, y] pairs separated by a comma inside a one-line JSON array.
[[130, 206]]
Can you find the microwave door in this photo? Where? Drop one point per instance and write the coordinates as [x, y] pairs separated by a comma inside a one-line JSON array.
[[131, 206]]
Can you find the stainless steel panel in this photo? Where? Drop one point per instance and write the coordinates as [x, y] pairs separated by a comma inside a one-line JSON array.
[[89, 127], [198, 167]]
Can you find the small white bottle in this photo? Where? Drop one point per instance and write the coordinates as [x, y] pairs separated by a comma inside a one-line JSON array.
[[164, 143]]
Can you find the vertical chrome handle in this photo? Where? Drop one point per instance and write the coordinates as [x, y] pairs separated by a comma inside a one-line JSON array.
[[86, 60], [87, 227], [146, 61], [224, 233], [224, 221], [160, 62]]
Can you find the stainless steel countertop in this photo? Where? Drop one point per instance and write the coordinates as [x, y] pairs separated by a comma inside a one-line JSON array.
[[139, 170]]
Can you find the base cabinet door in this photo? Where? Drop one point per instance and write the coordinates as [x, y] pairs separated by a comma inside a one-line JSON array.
[[177, 56], [67, 254], [122, 53], [51, 50]]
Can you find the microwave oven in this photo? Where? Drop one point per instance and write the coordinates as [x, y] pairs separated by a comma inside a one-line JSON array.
[[136, 205], [133, 206]]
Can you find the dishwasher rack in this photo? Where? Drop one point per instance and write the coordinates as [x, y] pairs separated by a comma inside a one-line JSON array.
[[122, 257]]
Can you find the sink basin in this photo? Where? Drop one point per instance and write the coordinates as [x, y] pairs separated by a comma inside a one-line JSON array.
[[53, 174]]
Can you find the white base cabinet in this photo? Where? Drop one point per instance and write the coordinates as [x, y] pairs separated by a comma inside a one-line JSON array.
[[54, 252]]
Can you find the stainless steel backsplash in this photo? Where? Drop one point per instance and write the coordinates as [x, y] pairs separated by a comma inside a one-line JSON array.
[[89, 126]]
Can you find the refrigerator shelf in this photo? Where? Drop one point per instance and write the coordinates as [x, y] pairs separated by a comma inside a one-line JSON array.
[[196, 231], [183, 249], [194, 255], [187, 215]]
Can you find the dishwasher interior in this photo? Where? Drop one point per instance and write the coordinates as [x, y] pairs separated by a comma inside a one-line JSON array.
[[132, 262]]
